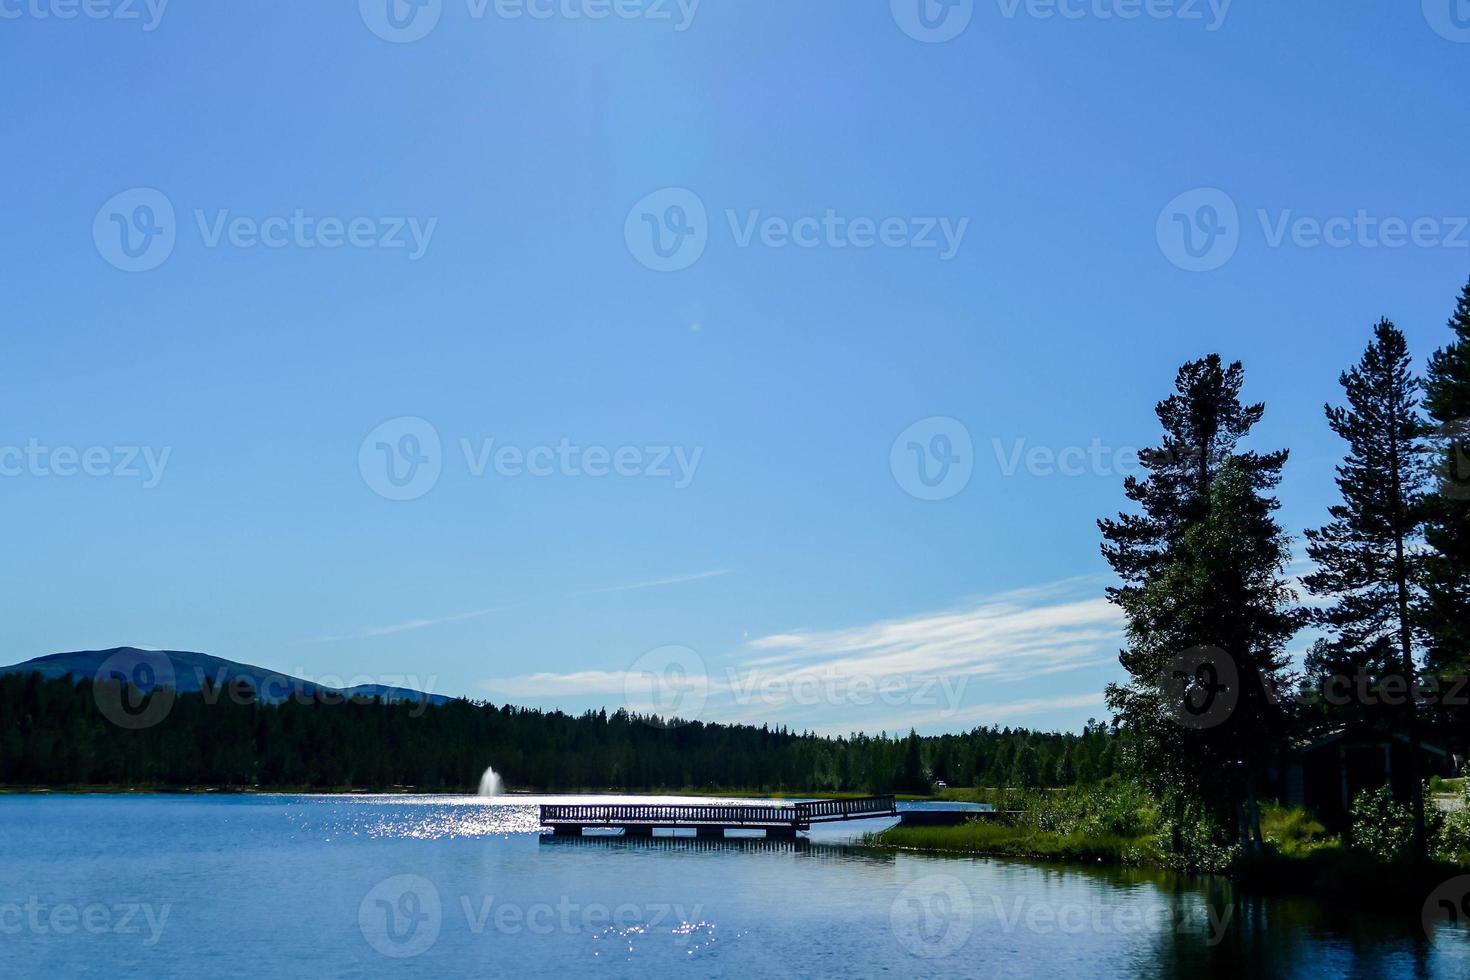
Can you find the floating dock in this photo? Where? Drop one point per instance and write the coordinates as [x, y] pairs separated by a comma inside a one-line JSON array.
[[709, 819]]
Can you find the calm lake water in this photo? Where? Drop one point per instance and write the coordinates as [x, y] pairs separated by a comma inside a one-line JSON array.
[[111, 886]]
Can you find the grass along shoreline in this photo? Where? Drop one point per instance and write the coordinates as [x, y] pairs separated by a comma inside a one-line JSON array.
[[1116, 826], [1333, 874]]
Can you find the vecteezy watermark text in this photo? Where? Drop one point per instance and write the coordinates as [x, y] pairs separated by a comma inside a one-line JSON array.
[[937, 21], [1211, 13], [1201, 230], [817, 688], [39, 918], [406, 21], [671, 685], [149, 13], [403, 458], [669, 230], [566, 458], [403, 916], [1094, 459], [1077, 918], [40, 461]]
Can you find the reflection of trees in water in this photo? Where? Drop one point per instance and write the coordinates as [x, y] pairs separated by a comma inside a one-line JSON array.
[[1275, 936], [1216, 930]]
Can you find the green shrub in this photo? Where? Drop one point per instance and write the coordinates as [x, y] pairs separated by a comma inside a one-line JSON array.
[[1381, 827], [1451, 840], [1292, 831]]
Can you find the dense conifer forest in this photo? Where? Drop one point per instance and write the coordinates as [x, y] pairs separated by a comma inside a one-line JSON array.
[[52, 733]]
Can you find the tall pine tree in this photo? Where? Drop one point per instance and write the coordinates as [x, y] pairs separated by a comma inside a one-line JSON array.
[[1368, 559], [1447, 569], [1203, 567]]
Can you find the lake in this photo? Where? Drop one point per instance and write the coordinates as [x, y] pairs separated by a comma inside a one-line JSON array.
[[433, 886]]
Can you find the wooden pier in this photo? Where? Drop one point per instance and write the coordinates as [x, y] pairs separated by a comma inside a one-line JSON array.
[[709, 819]]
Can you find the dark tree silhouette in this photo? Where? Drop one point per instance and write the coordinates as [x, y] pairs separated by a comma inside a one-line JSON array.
[[1447, 569], [1368, 559], [1208, 612]]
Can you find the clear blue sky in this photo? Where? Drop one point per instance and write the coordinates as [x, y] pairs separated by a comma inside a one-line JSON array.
[[532, 317]]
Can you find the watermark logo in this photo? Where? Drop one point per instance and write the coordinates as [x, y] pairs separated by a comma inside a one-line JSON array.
[[401, 459], [1199, 231], [135, 231], [1449, 904], [668, 230], [401, 917], [135, 689], [670, 684], [401, 21], [1449, 18], [933, 459], [933, 21], [933, 917], [1201, 687]]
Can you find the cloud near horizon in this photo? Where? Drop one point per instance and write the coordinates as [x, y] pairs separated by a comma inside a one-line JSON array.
[[924, 670]]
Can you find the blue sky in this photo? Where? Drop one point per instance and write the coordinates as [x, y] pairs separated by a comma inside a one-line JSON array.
[[344, 247]]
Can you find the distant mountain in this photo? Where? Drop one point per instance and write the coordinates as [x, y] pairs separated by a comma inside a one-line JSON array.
[[187, 672]]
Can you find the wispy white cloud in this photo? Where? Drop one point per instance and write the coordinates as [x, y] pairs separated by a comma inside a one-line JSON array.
[[932, 669], [425, 622], [551, 685], [655, 583], [1011, 636], [410, 625]]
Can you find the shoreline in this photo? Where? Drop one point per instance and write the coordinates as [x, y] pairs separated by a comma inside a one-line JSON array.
[[1332, 875]]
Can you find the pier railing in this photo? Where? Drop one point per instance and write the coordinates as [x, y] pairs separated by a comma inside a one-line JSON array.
[[667, 814], [867, 806]]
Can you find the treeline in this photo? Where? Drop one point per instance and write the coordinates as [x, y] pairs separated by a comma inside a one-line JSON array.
[[1213, 702], [53, 733]]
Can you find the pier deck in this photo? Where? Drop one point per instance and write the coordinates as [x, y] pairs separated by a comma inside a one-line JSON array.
[[710, 819]]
